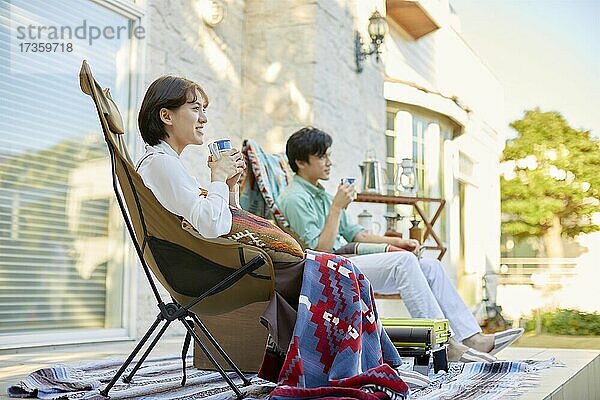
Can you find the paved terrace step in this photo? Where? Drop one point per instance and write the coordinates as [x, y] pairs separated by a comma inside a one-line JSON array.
[[579, 380]]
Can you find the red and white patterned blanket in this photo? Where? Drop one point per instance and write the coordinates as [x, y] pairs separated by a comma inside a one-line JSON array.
[[338, 342]]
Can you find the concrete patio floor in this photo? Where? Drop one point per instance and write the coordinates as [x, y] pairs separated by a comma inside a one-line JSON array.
[[580, 379]]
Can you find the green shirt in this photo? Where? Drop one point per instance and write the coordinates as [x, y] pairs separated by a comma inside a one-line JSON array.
[[306, 207]]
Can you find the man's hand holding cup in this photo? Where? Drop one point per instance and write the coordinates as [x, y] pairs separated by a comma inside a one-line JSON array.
[[351, 182], [345, 193]]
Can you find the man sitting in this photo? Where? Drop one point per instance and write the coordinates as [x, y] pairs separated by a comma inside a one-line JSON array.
[[320, 220]]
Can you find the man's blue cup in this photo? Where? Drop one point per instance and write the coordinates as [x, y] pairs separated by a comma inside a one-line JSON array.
[[349, 181], [218, 147]]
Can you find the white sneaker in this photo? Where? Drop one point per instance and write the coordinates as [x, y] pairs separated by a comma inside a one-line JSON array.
[[472, 355], [505, 338]]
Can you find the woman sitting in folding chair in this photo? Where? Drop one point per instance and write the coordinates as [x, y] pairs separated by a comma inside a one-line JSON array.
[[172, 117], [336, 329]]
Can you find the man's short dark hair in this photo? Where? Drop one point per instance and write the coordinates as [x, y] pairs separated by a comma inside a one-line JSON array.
[[168, 92], [304, 143]]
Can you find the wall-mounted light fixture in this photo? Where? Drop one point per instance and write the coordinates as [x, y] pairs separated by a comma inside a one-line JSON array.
[[377, 28], [212, 11]]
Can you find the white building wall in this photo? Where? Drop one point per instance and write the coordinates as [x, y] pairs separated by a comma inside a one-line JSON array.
[[180, 43], [442, 62], [349, 106], [279, 68]]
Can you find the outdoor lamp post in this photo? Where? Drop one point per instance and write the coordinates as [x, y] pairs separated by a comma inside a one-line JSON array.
[[377, 29]]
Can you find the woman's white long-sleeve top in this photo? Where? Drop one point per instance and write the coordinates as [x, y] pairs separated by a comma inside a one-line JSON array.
[[163, 172]]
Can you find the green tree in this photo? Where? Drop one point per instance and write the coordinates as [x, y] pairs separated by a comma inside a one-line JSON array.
[[550, 186]]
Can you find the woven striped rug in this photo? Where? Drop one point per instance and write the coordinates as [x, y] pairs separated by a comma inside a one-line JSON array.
[[160, 378], [485, 381]]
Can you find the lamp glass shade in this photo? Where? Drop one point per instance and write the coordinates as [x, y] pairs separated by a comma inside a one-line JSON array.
[[406, 180], [378, 26]]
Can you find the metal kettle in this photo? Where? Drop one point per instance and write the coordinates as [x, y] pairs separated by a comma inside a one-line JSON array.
[[372, 173]]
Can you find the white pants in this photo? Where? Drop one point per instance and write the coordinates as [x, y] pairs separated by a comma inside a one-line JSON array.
[[424, 286]]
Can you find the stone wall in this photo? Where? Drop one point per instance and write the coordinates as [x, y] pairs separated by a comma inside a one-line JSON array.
[[180, 43], [348, 105], [279, 68]]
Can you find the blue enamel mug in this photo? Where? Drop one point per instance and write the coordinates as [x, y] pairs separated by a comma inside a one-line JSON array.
[[218, 147]]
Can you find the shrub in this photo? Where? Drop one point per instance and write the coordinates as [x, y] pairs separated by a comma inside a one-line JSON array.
[[567, 322]]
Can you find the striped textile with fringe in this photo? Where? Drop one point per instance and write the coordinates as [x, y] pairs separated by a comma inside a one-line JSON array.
[[158, 378], [485, 381]]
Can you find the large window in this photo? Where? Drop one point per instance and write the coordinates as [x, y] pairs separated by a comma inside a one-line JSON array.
[[419, 129], [418, 135], [61, 237]]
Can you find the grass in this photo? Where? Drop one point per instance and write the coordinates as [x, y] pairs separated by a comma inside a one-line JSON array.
[[530, 339]]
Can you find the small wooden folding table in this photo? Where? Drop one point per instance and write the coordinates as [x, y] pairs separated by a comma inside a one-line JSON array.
[[416, 202]]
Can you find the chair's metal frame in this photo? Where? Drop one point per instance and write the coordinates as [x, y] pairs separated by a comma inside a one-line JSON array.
[[172, 311]]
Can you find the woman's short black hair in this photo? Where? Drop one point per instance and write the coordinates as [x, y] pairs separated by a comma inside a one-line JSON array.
[[304, 143], [168, 92]]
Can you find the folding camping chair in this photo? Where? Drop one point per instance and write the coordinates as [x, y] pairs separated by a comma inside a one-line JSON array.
[[203, 277]]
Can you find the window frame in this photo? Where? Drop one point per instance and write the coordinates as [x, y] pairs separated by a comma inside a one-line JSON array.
[[446, 132]]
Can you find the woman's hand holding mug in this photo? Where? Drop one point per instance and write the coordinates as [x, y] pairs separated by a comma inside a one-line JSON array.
[[228, 168], [233, 180]]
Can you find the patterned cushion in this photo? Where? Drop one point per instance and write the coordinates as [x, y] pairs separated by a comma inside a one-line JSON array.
[[249, 229], [255, 231]]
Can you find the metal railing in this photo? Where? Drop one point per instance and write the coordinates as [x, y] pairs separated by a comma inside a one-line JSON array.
[[536, 271]]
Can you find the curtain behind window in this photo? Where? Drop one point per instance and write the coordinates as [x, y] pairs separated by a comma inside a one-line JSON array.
[[61, 238]]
